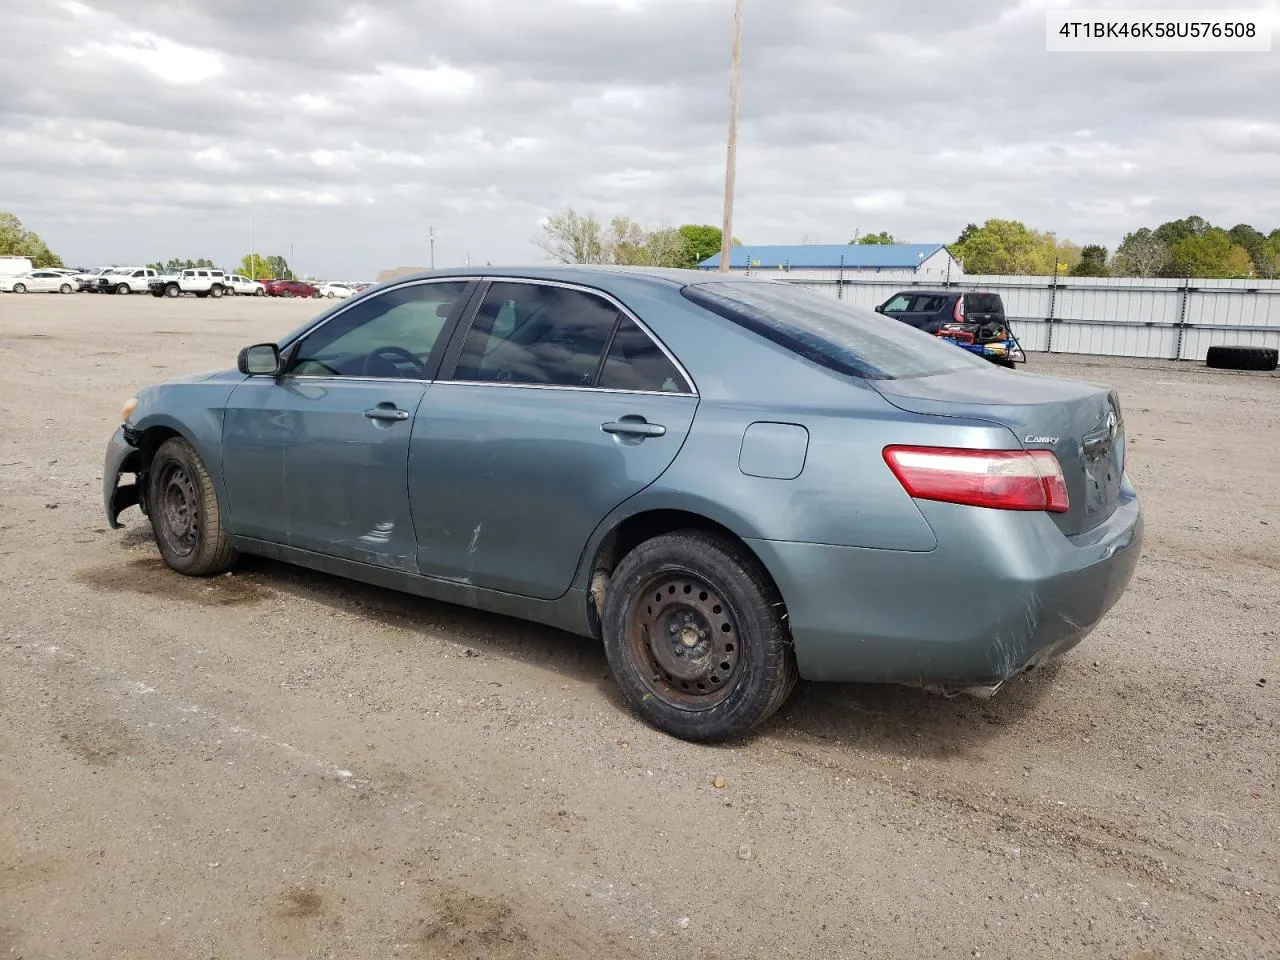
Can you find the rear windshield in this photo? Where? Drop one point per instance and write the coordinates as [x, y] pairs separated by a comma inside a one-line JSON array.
[[830, 332], [983, 303]]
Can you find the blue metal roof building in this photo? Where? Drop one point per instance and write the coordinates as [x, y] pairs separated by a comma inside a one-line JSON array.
[[854, 256]]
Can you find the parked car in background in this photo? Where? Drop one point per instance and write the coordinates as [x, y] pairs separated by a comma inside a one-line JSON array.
[[974, 321], [732, 482], [15, 266], [87, 280], [200, 281], [38, 281], [244, 287], [290, 288], [334, 290], [126, 280]]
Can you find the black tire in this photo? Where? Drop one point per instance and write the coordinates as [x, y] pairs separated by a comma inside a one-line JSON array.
[[259, 292], [64, 289], [172, 290], [158, 292], [695, 638], [1242, 358], [185, 518], [215, 291], [123, 290], [19, 288]]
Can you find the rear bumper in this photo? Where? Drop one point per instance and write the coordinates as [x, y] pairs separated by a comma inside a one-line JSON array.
[[121, 458], [1002, 592]]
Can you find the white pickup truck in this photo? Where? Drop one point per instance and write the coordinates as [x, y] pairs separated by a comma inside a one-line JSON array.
[[202, 282]]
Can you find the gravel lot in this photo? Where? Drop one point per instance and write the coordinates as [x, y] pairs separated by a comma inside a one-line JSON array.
[[282, 764]]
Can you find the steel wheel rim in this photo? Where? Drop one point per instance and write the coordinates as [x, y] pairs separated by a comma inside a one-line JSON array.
[[682, 636], [179, 510]]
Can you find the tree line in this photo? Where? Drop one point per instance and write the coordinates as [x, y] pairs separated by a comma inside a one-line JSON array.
[[573, 237], [1190, 247]]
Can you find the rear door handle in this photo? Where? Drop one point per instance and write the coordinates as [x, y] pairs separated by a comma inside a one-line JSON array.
[[387, 412], [634, 427]]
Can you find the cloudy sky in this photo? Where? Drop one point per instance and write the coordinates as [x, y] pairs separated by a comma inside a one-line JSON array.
[[133, 130]]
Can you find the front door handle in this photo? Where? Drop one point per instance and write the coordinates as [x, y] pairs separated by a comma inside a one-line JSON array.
[[634, 427], [387, 412]]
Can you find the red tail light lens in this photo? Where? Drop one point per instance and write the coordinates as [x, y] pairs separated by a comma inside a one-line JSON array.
[[1000, 479], [957, 313]]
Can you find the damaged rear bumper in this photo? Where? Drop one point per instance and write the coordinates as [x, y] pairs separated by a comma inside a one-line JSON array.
[[122, 457]]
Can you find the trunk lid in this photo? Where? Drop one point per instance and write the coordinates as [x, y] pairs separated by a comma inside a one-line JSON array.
[[1080, 422]]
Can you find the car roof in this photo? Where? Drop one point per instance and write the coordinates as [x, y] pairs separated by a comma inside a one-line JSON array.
[[598, 274]]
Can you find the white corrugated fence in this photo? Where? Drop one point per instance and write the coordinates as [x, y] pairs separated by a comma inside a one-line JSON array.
[[1176, 319]]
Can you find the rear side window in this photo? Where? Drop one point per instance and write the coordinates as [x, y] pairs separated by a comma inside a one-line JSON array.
[[635, 362], [537, 333], [829, 332]]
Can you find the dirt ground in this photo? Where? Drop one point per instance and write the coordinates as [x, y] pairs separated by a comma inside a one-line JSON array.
[[287, 765]]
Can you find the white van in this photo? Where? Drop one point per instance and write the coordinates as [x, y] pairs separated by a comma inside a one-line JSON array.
[[15, 266]]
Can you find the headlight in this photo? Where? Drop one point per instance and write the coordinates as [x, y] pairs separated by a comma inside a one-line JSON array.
[[129, 407]]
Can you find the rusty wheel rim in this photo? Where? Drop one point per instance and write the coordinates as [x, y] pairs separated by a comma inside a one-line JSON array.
[[683, 638], [179, 511]]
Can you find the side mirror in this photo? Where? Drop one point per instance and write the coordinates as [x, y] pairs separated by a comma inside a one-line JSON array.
[[262, 359], [879, 308]]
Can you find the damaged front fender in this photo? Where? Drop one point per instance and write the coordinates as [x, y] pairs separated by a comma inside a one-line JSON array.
[[122, 457]]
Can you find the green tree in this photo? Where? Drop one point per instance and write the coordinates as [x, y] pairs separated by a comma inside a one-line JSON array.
[[883, 238], [17, 241], [1010, 247], [1140, 254], [1093, 262], [1172, 231], [1271, 261], [260, 267], [1255, 244], [571, 237], [1209, 254], [701, 241]]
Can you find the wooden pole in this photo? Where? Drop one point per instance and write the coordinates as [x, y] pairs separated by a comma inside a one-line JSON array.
[[726, 239]]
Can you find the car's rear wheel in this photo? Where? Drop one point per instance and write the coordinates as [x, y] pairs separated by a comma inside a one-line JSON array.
[[172, 290], [695, 637], [185, 518], [215, 291], [259, 292]]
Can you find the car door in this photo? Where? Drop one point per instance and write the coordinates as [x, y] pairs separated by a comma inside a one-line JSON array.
[[554, 406], [43, 281], [315, 458]]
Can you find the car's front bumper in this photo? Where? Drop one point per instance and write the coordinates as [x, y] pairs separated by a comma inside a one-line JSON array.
[[121, 458], [1003, 591]]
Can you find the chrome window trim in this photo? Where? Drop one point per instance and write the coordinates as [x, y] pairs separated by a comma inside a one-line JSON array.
[[621, 308], [558, 386]]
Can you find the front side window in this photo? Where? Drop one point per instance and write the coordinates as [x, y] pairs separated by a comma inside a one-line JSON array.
[[537, 334], [898, 304], [390, 335]]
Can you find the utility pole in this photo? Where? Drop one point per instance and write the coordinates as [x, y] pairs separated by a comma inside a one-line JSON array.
[[431, 235], [731, 157]]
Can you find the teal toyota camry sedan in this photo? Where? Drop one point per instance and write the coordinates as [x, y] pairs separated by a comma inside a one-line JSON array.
[[732, 483]]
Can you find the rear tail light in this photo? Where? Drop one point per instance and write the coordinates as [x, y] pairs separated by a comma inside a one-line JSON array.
[[957, 312], [1000, 479]]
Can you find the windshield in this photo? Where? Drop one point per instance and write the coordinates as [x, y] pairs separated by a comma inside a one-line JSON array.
[[830, 332]]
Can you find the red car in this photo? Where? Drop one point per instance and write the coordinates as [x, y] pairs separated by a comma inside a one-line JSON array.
[[290, 288]]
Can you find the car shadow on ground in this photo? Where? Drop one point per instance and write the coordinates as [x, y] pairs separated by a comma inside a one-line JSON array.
[[893, 720]]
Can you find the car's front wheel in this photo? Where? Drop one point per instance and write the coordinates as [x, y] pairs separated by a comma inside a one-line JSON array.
[[695, 637], [19, 288], [65, 289], [185, 518]]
